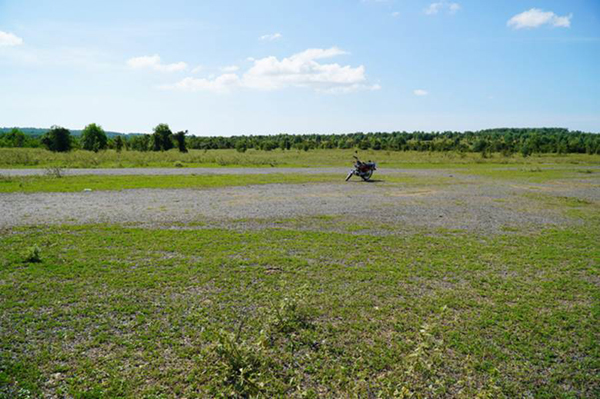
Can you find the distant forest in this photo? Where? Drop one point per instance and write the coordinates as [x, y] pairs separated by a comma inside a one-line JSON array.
[[507, 141]]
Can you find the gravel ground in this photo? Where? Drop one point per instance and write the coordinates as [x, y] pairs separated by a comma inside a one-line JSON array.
[[230, 171], [471, 203]]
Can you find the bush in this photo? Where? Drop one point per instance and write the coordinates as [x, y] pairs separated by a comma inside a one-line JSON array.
[[33, 255], [180, 140], [93, 138], [57, 139], [162, 138], [54, 171]]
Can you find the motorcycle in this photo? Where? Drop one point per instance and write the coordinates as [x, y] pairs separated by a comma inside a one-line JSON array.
[[364, 170]]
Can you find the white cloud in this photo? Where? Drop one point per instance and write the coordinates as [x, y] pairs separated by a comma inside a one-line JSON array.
[[221, 84], [435, 8], [299, 70], [153, 62], [535, 18], [272, 37], [395, 14], [420, 92], [454, 7], [303, 70], [197, 69], [8, 39], [230, 68]]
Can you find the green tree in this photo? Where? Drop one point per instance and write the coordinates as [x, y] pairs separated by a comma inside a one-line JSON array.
[[140, 143], [241, 146], [93, 138], [15, 138], [161, 138], [119, 143], [180, 140], [57, 139]]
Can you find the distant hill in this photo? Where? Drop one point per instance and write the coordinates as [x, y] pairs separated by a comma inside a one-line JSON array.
[[36, 131]]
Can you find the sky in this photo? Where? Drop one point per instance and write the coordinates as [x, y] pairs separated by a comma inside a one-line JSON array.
[[228, 67]]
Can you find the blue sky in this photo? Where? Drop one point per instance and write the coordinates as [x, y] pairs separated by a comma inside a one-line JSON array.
[[311, 66]]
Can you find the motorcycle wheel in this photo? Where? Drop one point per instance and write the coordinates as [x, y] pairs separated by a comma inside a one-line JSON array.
[[349, 175], [367, 176]]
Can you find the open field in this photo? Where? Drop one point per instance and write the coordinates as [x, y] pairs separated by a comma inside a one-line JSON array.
[[445, 280], [40, 158]]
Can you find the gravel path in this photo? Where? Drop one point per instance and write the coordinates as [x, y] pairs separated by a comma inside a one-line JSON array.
[[234, 171], [470, 204]]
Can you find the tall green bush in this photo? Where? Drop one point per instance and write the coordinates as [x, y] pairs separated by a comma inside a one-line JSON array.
[[57, 139], [93, 138]]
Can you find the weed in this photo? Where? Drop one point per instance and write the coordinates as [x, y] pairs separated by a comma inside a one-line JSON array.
[[33, 255], [290, 314], [54, 171], [240, 364]]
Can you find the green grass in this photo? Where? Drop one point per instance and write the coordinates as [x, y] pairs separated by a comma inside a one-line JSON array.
[[313, 308], [131, 312], [79, 183], [39, 158], [532, 173], [28, 184]]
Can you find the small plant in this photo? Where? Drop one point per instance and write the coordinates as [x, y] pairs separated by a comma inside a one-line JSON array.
[[290, 314], [55, 171], [33, 255], [241, 364], [5, 179], [178, 164]]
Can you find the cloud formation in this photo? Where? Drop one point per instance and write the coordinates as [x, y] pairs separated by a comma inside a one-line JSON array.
[[221, 84], [420, 92], [9, 39], [535, 18], [435, 8], [230, 68], [272, 37], [299, 70], [153, 62]]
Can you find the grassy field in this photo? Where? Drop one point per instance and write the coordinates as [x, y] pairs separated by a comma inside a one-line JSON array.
[[30, 184], [39, 158], [130, 312], [304, 308]]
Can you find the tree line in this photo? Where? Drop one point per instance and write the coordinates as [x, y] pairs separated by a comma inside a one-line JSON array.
[[94, 138], [507, 141]]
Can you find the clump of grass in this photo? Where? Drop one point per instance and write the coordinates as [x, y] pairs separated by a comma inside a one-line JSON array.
[[240, 364], [33, 255], [534, 170], [55, 171], [289, 315], [178, 164]]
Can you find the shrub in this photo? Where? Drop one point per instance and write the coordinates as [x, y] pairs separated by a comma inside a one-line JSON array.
[[57, 139], [93, 138], [162, 138], [180, 140], [33, 255], [54, 171], [119, 143]]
